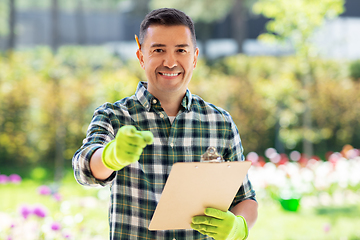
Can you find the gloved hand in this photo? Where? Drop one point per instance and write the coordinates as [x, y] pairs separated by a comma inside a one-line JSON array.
[[126, 148], [221, 225]]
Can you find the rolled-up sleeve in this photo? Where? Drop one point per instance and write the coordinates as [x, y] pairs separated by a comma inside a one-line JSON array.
[[237, 154], [99, 133]]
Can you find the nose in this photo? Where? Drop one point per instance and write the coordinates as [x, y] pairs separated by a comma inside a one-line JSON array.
[[170, 60]]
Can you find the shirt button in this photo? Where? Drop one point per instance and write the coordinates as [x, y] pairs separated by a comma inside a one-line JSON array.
[[171, 145], [154, 101], [161, 115]]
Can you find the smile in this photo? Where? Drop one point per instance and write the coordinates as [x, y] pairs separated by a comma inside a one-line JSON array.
[[170, 74]]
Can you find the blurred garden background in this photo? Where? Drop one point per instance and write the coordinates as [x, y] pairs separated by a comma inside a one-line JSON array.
[[287, 71]]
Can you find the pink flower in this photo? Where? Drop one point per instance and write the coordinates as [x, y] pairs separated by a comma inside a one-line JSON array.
[[327, 227], [334, 157], [14, 178], [44, 190], [3, 179], [40, 211], [283, 159], [253, 157], [55, 226], [57, 197], [303, 160], [67, 236], [25, 211], [295, 156]]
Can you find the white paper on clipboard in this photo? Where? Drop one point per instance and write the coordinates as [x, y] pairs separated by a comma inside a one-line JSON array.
[[193, 186]]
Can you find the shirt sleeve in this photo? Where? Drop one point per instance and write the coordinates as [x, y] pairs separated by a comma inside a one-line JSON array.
[[236, 153], [99, 133]]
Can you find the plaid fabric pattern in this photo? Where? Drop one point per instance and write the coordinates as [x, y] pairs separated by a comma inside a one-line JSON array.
[[136, 189]]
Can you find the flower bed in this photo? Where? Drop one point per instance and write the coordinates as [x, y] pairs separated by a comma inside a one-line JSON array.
[[311, 181], [69, 211]]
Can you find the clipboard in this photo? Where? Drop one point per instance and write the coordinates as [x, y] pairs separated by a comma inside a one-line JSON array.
[[193, 186]]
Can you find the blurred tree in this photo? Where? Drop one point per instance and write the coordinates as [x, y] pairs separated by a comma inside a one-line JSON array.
[[80, 23], [54, 25], [57, 111], [250, 88], [355, 70], [60, 133], [296, 21], [12, 21], [206, 12], [3, 18], [7, 23], [239, 15]]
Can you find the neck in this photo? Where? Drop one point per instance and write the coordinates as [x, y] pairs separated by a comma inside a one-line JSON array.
[[170, 100], [170, 104]]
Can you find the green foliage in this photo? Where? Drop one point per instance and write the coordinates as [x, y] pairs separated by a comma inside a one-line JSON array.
[[37, 88], [3, 18], [296, 20], [355, 70], [38, 174], [260, 92], [349, 211]]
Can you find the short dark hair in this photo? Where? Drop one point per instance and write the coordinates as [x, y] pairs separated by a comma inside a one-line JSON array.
[[166, 17]]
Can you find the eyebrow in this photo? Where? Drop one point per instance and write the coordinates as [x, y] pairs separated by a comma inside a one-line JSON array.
[[183, 45], [163, 45], [157, 45]]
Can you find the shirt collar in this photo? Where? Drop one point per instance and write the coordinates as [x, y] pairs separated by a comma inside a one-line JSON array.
[[187, 100], [145, 97]]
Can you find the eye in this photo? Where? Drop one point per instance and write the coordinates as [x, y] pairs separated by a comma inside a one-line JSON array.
[[158, 50], [181, 50]]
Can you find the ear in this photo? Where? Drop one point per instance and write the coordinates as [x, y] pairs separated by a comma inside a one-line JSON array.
[[196, 57], [140, 56]]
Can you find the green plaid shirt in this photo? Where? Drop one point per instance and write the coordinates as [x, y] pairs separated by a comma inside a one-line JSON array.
[[136, 189]]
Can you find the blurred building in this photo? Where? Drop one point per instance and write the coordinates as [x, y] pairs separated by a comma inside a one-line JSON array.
[[115, 29]]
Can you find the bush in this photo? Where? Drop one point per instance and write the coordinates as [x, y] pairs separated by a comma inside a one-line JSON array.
[[355, 70], [49, 100]]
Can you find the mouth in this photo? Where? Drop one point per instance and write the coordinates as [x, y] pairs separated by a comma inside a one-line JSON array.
[[169, 74]]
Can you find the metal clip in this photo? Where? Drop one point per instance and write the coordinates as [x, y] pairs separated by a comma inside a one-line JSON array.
[[211, 155]]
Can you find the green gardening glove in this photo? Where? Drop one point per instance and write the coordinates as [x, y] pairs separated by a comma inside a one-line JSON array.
[[126, 148], [221, 225]]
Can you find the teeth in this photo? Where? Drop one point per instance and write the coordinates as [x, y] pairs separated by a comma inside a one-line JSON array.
[[170, 74]]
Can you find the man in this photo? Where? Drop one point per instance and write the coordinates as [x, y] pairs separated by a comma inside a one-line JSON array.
[[133, 143]]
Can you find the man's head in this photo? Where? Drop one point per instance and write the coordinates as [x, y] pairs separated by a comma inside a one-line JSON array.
[[168, 53], [166, 17]]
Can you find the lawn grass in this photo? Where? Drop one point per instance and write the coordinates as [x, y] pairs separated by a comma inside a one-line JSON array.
[[274, 223]]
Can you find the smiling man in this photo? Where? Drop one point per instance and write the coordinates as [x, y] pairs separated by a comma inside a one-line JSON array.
[[168, 56], [132, 144]]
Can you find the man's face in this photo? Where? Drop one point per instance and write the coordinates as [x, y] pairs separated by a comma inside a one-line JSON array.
[[168, 57]]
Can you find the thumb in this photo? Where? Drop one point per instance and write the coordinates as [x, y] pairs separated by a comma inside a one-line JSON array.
[[216, 213], [128, 130], [148, 137]]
